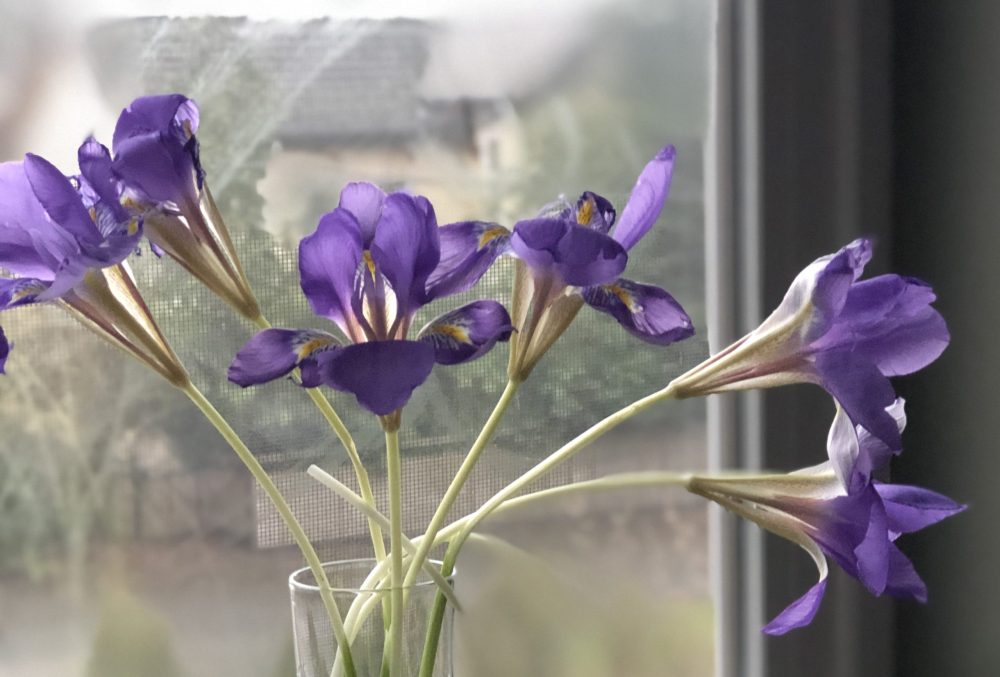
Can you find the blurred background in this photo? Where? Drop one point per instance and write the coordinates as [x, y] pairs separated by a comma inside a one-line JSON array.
[[131, 543]]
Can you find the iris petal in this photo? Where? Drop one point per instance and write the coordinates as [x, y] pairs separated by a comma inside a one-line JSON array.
[[60, 199], [911, 508], [647, 198], [29, 244], [467, 332], [406, 248], [645, 311], [156, 152], [273, 353], [382, 375], [863, 392], [799, 613], [364, 201], [468, 249], [21, 291], [328, 262]]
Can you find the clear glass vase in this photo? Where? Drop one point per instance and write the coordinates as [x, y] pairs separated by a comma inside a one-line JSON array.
[[316, 647]]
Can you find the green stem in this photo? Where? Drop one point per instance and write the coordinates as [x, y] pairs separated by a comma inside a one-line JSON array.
[[469, 523], [267, 484], [344, 435], [393, 470], [485, 435]]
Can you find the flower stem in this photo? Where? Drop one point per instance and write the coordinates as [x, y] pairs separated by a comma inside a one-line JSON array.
[[469, 523], [393, 470], [344, 435], [485, 435], [267, 484]]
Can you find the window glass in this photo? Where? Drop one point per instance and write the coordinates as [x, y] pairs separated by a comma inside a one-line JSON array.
[[129, 533]]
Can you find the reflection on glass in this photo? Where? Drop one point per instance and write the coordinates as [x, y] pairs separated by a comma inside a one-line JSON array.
[[131, 543]]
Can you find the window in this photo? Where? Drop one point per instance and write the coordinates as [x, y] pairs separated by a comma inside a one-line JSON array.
[[126, 520]]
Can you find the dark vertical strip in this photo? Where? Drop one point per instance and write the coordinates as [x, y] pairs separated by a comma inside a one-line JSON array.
[[946, 213]]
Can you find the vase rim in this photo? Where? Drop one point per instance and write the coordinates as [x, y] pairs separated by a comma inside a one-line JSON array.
[[296, 584]]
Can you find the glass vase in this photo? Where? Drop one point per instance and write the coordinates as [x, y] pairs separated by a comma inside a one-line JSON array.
[[316, 647]]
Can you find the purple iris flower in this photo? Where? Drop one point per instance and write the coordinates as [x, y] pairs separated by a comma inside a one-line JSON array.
[[569, 255], [848, 336], [66, 239], [368, 268], [856, 529], [156, 157]]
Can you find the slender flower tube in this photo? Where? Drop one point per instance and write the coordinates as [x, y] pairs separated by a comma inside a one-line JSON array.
[[571, 255], [156, 157], [65, 240], [856, 528], [846, 335], [367, 268]]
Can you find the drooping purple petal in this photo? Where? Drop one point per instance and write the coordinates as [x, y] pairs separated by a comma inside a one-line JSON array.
[[910, 509], [855, 453], [60, 199], [645, 311], [156, 151], [328, 264], [863, 392], [647, 198], [273, 353], [364, 200], [903, 579], [468, 249], [799, 613], [382, 375], [468, 332], [406, 249]]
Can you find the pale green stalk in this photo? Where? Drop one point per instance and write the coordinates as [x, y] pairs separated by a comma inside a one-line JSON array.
[[345, 492], [394, 472], [344, 435], [558, 457], [485, 435], [298, 533]]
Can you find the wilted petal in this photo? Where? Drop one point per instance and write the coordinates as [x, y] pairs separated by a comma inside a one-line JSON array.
[[872, 552], [364, 200], [467, 332], [328, 263], [647, 198], [863, 392], [381, 374], [799, 613], [645, 311], [855, 453], [911, 508], [273, 353], [468, 249], [406, 249]]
